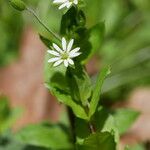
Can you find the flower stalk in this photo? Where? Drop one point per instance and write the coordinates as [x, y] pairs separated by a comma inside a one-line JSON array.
[[40, 21]]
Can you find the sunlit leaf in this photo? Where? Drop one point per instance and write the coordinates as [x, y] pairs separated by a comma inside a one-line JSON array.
[[97, 90]]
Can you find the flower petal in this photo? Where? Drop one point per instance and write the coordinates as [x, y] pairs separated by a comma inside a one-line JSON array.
[[53, 53], [63, 5], [58, 63], [70, 45], [66, 63], [75, 2], [64, 44], [75, 50], [54, 59], [70, 61], [72, 55], [59, 1], [69, 4], [57, 48]]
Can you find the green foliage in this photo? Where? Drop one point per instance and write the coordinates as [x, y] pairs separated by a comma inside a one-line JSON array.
[[45, 135], [18, 4], [80, 84], [96, 36], [120, 119], [8, 142], [124, 118], [56, 82], [89, 40], [135, 147], [126, 46], [97, 89], [10, 31], [102, 121], [93, 126], [4, 109], [103, 140], [7, 116], [67, 100]]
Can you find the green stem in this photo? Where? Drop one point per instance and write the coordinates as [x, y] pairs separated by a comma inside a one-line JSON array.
[[92, 128], [39, 20], [90, 124]]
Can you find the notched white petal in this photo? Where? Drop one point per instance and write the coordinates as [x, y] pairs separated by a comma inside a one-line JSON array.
[[74, 54], [57, 48], [59, 1], [64, 44], [75, 2], [53, 53], [69, 4], [66, 63], [57, 63], [70, 45], [54, 59], [63, 5], [70, 61], [75, 50]]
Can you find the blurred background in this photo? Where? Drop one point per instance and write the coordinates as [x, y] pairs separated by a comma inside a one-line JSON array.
[[126, 48]]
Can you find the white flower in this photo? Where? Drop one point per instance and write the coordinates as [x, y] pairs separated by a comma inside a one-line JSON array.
[[64, 54], [65, 3]]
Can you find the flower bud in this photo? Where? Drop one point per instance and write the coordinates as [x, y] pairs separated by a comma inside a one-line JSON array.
[[18, 4]]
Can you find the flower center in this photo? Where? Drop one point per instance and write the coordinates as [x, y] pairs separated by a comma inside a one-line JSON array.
[[65, 55]]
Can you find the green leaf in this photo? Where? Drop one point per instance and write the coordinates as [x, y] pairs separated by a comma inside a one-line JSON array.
[[81, 125], [124, 118], [4, 109], [11, 119], [67, 100], [135, 147], [46, 135], [103, 121], [97, 90], [7, 116], [89, 41], [72, 20], [96, 36], [8, 142], [110, 126], [46, 41], [80, 84], [100, 140], [13, 145], [99, 118]]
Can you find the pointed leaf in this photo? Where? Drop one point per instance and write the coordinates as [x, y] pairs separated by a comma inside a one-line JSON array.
[[96, 36], [44, 135], [67, 100], [80, 84], [101, 140], [97, 90]]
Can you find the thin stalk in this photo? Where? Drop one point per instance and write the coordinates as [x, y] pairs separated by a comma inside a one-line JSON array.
[[71, 117], [40, 21], [91, 126]]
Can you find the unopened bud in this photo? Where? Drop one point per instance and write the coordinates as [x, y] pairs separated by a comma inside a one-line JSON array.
[[18, 4]]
